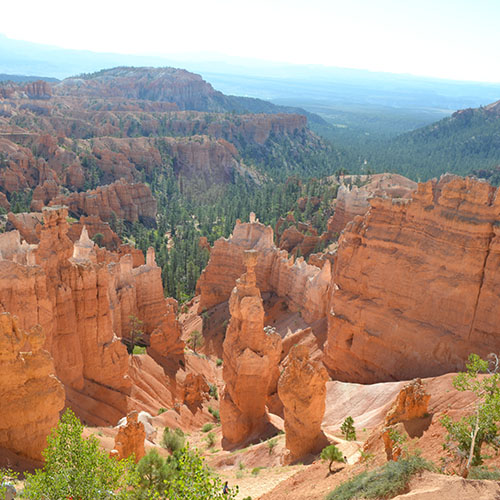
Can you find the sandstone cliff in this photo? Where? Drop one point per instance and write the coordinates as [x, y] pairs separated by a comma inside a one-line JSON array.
[[131, 202], [416, 284], [31, 396], [251, 357]]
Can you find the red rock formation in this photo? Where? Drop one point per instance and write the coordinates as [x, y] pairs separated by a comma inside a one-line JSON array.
[[251, 357], [95, 225], [412, 402], [131, 202], [416, 284], [302, 389], [39, 90], [4, 202], [28, 225], [31, 396], [83, 298], [165, 342], [305, 287], [130, 439], [353, 200]]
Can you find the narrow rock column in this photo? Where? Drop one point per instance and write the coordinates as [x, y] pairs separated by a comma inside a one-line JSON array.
[[250, 355], [302, 390]]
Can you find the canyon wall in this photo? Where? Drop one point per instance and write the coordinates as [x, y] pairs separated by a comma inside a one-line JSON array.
[[305, 287], [416, 284]]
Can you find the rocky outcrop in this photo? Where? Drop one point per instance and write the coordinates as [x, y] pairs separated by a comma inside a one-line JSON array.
[[131, 202], [165, 343], [305, 287], [416, 284], [130, 439], [353, 200], [27, 223], [98, 230], [251, 356], [39, 90], [83, 297], [31, 396], [412, 402], [4, 202], [302, 389]]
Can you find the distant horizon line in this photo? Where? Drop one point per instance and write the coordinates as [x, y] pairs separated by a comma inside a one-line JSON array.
[[242, 63]]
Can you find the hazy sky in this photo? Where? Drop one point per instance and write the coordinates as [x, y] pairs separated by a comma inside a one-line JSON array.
[[458, 39]]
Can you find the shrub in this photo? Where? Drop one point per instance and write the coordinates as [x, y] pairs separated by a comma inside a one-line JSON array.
[[347, 429], [153, 472], [215, 413], [173, 440], [7, 480], [77, 467], [218, 362], [482, 472], [331, 454], [213, 392], [139, 350], [256, 471], [210, 439], [271, 444], [384, 482], [194, 480], [466, 436], [195, 340], [161, 410], [207, 427]]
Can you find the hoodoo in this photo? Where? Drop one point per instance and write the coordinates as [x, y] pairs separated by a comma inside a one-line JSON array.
[[30, 394], [302, 389], [251, 357]]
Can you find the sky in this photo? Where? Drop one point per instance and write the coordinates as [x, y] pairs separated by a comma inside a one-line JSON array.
[[454, 39]]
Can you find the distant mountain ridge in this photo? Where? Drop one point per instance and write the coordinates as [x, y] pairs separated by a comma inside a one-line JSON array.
[[187, 90], [467, 142]]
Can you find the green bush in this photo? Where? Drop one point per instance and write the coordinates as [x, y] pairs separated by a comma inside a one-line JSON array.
[[467, 436], [154, 472], [207, 427], [218, 362], [162, 410], [7, 477], [139, 350], [347, 429], [210, 439], [215, 413], [77, 467], [384, 482], [331, 454], [256, 471], [182, 476], [173, 440], [213, 392], [483, 472], [271, 444]]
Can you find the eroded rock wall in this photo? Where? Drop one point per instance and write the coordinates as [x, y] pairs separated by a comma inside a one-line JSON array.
[[305, 286], [84, 298], [416, 284]]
